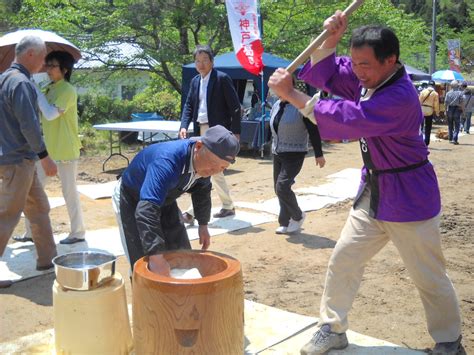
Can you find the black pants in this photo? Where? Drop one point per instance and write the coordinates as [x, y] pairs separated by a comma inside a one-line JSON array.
[[426, 127], [285, 168], [174, 231]]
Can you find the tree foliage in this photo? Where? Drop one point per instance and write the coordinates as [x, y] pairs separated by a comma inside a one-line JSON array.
[[455, 20], [168, 30], [302, 21]]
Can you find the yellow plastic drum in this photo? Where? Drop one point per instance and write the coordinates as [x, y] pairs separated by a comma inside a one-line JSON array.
[[92, 322], [189, 316]]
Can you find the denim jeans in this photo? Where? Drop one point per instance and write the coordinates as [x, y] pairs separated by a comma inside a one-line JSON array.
[[454, 120], [467, 122]]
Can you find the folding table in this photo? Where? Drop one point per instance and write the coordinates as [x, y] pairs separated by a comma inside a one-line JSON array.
[[168, 129]]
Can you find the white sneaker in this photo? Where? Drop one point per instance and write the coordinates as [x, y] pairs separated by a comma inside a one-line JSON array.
[[295, 226], [323, 341], [281, 230]]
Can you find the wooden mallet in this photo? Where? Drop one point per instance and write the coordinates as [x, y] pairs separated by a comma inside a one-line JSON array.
[[320, 39]]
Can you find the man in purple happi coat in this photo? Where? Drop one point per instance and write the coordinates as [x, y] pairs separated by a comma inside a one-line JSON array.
[[398, 199]]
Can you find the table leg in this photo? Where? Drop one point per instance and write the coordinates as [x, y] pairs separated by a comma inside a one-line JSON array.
[[118, 146]]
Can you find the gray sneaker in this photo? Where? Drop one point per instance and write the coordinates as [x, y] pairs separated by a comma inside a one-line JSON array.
[[323, 341], [449, 348]]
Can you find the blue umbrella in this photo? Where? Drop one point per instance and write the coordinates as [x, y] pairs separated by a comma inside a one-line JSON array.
[[445, 76]]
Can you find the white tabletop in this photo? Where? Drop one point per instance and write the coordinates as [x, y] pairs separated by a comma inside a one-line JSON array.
[[143, 126]]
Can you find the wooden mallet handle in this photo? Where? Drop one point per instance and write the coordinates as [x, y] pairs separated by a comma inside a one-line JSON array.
[[320, 39]]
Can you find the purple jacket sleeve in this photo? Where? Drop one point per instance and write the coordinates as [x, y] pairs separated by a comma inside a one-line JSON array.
[[381, 115], [334, 75]]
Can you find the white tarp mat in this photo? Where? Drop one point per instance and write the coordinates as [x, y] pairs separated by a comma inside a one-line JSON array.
[[266, 326], [241, 220], [56, 202], [306, 203], [343, 185], [96, 191], [359, 344], [337, 189], [350, 174], [19, 260], [267, 330], [270, 330], [53, 203]]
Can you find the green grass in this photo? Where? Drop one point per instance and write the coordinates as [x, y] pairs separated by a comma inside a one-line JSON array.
[[96, 142]]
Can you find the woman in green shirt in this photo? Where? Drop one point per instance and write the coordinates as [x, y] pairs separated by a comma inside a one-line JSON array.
[[60, 130]]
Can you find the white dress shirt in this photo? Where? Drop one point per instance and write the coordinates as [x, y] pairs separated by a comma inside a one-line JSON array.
[[202, 111]]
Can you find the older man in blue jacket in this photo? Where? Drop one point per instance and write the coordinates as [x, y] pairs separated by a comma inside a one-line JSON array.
[[156, 177], [212, 100]]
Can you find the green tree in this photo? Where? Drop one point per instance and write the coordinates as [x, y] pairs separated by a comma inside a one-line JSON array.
[[290, 26], [7, 9], [168, 30], [455, 19]]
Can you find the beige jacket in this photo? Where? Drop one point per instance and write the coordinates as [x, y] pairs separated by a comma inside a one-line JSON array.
[[429, 100]]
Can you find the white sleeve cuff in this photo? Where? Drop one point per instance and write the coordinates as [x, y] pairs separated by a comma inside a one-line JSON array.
[[308, 109], [50, 112]]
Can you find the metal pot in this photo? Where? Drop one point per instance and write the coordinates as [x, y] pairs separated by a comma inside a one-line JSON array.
[[84, 270]]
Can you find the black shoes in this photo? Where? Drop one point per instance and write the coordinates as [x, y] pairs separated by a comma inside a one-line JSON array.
[[44, 267], [22, 238], [72, 240], [224, 213], [5, 283]]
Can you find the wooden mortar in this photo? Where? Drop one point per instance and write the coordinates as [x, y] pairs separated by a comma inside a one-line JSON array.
[[189, 316]]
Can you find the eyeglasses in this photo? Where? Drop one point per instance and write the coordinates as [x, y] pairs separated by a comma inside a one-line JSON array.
[[52, 65], [205, 61]]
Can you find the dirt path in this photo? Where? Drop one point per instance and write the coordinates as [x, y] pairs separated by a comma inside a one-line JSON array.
[[288, 271]]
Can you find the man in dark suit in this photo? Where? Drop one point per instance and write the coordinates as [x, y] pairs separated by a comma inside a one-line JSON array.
[[212, 100]]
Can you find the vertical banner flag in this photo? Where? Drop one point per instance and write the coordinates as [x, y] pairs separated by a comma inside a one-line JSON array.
[[243, 24], [454, 54]]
